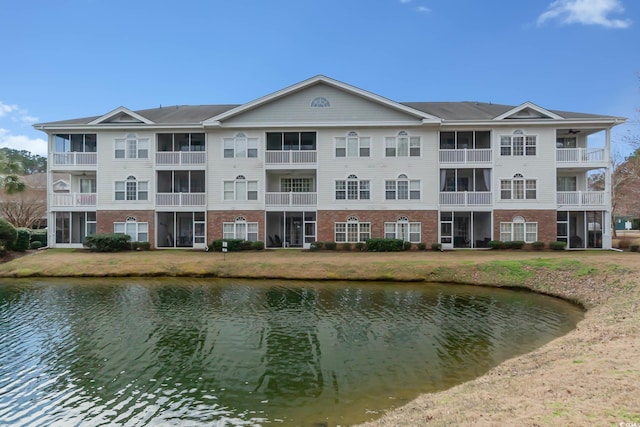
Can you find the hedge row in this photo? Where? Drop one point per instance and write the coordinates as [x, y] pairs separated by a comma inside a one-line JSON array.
[[236, 245]]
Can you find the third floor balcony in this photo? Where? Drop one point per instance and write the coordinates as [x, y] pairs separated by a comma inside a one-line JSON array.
[[466, 156]]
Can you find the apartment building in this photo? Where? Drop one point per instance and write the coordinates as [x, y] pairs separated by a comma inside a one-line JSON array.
[[322, 160]]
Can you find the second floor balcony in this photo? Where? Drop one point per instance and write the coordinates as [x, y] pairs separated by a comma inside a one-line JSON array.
[[291, 157], [181, 199], [280, 199], [466, 156], [466, 198], [181, 158], [581, 198], [70, 200], [581, 156]]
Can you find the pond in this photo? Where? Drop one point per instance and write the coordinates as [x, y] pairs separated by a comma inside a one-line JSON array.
[[196, 352]]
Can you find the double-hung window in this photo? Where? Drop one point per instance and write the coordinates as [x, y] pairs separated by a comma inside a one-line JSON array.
[[240, 229], [131, 189], [138, 231], [353, 188], [353, 145], [402, 188], [403, 229], [132, 147], [518, 188], [240, 146], [518, 144], [402, 145], [240, 189], [519, 230], [352, 231]]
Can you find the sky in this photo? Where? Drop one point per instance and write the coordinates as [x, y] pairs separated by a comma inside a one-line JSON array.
[[68, 59]]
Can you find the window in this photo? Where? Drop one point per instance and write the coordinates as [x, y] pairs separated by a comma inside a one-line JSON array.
[[320, 102], [240, 229], [181, 142], [295, 185], [76, 142], [518, 144], [566, 142], [461, 140], [352, 189], [402, 189], [567, 183], [353, 145], [519, 230], [402, 145], [240, 146], [138, 231], [240, 189], [294, 141], [352, 231], [518, 188], [132, 189], [132, 148], [403, 230]]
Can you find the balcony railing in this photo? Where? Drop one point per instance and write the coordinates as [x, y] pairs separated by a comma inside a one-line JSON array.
[[465, 156], [75, 158], [291, 199], [181, 199], [177, 158], [581, 198], [580, 155], [466, 198], [290, 157], [74, 199]]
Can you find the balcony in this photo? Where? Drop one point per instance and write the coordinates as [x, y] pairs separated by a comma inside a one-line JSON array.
[[75, 158], [466, 156], [181, 199], [581, 156], [180, 158], [466, 198], [289, 158], [581, 198], [70, 200], [291, 199]]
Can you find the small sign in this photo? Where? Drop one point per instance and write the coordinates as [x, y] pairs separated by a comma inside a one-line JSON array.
[[224, 244], [224, 249]]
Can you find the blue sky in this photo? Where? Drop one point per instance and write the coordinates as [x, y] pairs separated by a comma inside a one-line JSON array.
[[75, 58]]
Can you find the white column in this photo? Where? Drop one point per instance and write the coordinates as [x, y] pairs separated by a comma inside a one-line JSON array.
[[607, 230]]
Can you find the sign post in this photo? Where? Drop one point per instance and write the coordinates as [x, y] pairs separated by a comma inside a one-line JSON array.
[[224, 251]]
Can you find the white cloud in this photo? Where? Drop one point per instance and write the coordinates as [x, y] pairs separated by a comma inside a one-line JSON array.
[[23, 142], [587, 12], [7, 109], [405, 1], [423, 9]]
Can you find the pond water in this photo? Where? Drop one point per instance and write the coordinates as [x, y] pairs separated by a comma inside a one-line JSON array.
[[196, 352]]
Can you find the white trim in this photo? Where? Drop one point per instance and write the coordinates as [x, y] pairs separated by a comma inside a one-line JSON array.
[[532, 106], [120, 110]]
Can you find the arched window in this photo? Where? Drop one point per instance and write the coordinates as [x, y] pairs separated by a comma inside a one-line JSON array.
[[353, 188], [518, 144], [240, 229], [353, 145], [403, 229], [240, 146], [518, 188], [352, 231], [402, 145], [131, 189], [320, 102], [240, 189], [402, 188], [131, 147], [138, 231]]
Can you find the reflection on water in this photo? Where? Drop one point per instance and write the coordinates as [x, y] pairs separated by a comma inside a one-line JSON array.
[[210, 352]]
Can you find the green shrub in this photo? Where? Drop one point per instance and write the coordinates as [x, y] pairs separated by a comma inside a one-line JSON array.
[[39, 236], [257, 245], [421, 246], [233, 245], [316, 246], [537, 246], [113, 242], [513, 244], [557, 246], [330, 246], [22, 239], [36, 244], [634, 248], [346, 247], [360, 246], [436, 246], [8, 234], [407, 246], [385, 245], [495, 244], [140, 246]]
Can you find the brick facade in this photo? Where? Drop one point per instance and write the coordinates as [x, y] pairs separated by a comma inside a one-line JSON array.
[[215, 219], [326, 222], [105, 220], [546, 219]]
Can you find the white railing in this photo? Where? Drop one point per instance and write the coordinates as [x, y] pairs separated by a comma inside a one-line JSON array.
[[464, 156], [290, 157], [173, 158], [181, 199], [74, 199], [581, 198], [75, 158], [580, 155], [466, 198], [291, 199]]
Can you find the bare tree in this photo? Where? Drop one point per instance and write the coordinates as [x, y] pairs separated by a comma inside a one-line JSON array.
[[23, 209]]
